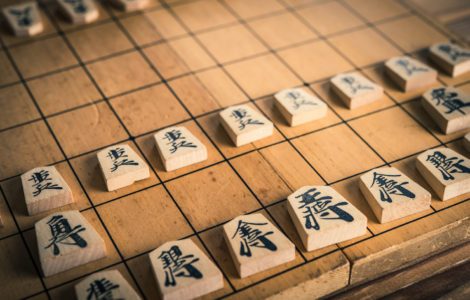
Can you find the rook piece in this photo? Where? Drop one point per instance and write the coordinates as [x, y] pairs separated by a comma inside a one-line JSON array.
[[299, 107], [131, 5], [446, 171], [183, 271], [256, 245], [105, 285], [355, 90], [452, 58], [409, 73], [44, 189], [466, 141], [79, 11], [179, 148], [66, 240], [24, 19], [392, 195]]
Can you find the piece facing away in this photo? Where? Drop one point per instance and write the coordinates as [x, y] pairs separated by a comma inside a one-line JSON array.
[[79, 11], [183, 271], [409, 73], [131, 5], [355, 90], [24, 19], [66, 240], [105, 285], [299, 107], [452, 58], [392, 195]]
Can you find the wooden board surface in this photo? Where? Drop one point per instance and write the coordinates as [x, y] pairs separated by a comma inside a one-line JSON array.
[[76, 89]]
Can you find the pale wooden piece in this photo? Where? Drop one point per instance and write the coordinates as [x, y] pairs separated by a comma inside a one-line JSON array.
[[299, 107], [200, 277], [273, 247], [121, 166], [446, 171], [44, 189], [355, 90], [110, 283], [178, 148], [449, 107], [313, 222], [131, 5], [245, 125], [24, 19], [79, 11], [452, 58], [466, 141], [409, 73], [69, 250], [392, 195]]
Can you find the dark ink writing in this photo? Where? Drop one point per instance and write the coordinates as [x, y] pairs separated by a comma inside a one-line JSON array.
[[251, 235], [63, 233], [389, 186], [175, 264]]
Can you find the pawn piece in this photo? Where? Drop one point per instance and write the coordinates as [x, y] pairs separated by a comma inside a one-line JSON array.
[[245, 125], [79, 11], [44, 189], [452, 58], [178, 148], [299, 107], [131, 5], [449, 107], [66, 240], [355, 90], [105, 285], [409, 73], [183, 271], [256, 245], [323, 217], [121, 166], [446, 171], [24, 19], [466, 141], [392, 195]]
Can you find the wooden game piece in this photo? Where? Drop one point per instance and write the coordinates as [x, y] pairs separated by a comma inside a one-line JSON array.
[[392, 195], [452, 58], [79, 11], [245, 125], [409, 73], [323, 217], [256, 245], [178, 148], [44, 189], [466, 141], [449, 107], [446, 171], [131, 5], [183, 271], [24, 18], [121, 166], [66, 240], [355, 90], [299, 107], [105, 285]]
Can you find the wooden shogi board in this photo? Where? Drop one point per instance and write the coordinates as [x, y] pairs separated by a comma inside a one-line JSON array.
[[74, 90]]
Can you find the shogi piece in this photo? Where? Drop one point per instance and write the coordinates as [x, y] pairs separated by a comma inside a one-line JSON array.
[[66, 240], [323, 217], [466, 141], [256, 245], [24, 19], [183, 271], [131, 5], [79, 11], [409, 74], [121, 166], [44, 189], [245, 125], [105, 285], [355, 90], [452, 58], [392, 195], [178, 148], [299, 107], [446, 171], [449, 107]]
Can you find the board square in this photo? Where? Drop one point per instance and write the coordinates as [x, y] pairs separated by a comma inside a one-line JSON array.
[[140, 29], [191, 53], [7, 72], [165, 59], [165, 23], [8, 226], [247, 9], [377, 10], [16, 106]]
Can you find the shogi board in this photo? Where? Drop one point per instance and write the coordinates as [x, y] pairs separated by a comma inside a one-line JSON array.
[[76, 89]]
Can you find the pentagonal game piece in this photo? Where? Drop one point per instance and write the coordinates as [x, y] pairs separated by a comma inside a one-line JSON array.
[[24, 18], [452, 58], [105, 285], [79, 11], [299, 107], [66, 240], [409, 74], [392, 195], [355, 90], [121, 166], [131, 5], [183, 271], [44, 189], [466, 141], [256, 245], [449, 107], [178, 148], [245, 125], [323, 217], [446, 171]]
